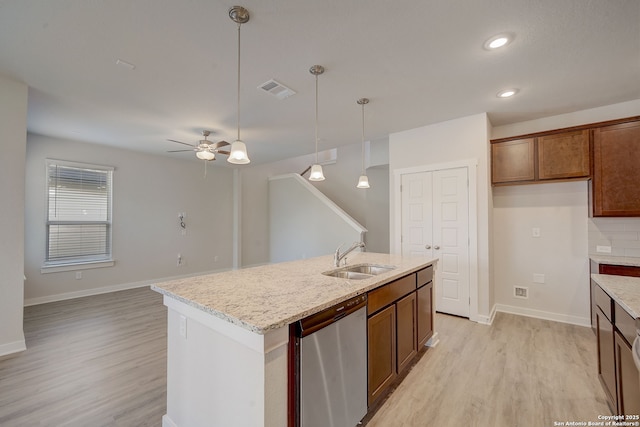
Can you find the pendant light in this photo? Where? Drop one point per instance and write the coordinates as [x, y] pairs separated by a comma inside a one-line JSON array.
[[363, 181], [316, 170], [238, 153]]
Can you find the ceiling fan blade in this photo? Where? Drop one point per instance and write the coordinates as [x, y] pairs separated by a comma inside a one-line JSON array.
[[216, 145], [180, 142], [177, 151], [223, 152]]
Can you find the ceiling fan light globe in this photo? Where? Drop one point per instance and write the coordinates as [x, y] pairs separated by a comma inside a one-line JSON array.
[[205, 155], [238, 153], [316, 173], [363, 182]]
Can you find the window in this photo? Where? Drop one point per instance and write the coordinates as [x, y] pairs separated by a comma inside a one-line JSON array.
[[78, 213]]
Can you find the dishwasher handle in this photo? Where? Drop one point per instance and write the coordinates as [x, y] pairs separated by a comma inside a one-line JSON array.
[[330, 315]]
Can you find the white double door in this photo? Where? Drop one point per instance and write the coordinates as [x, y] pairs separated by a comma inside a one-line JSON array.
[[435, 223]]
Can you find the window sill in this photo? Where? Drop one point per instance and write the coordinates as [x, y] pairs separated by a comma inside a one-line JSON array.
[[76, 266]]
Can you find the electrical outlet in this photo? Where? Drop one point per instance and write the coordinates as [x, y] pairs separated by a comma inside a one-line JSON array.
[[603, 249], [78, 275], [180, 261], [535, 232], [215, 258], [538, 278]]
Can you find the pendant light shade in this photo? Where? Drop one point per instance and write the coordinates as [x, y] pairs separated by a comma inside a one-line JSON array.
[[316, 170], [316, 173], [238, 153], [363, 181]]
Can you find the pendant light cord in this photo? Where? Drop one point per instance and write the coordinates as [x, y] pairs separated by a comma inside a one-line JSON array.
[[363, 138], [238, 82], [316, 119]]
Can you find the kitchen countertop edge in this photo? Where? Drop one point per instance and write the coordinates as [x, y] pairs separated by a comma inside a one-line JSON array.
[[624, 290], [355, 288]]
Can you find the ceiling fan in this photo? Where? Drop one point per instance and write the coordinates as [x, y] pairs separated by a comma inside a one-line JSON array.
[[205, 149]]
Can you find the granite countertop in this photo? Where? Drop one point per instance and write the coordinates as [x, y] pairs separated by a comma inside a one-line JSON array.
[[616, 260], [268, 297], [623, 289]]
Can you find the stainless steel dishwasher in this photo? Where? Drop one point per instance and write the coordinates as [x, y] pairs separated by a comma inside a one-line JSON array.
[[332, 366]]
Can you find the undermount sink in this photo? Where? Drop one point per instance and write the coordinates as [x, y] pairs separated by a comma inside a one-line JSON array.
[[359, 271]]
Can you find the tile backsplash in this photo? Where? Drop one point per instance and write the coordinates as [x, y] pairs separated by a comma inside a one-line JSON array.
[[622, 234]]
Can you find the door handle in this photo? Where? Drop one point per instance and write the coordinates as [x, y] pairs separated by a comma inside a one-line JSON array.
[[436, 247], [427, 246]]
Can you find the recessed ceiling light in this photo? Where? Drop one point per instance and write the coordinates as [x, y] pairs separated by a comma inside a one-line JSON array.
[[498, 41], [507, 93]]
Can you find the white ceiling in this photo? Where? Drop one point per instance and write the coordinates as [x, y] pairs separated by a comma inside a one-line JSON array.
[[419, 62]]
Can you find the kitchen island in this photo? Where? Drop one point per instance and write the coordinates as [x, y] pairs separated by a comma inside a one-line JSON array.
[[228, 335]]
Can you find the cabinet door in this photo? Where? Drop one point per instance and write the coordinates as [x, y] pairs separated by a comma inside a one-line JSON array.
[[425, 314], [628, 381], [513, 161], [406, 324], [606, 357], [564, 155], [616, 170], [381, 352]]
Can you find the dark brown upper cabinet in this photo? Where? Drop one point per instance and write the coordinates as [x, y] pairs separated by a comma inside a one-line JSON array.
[[541, 158], [616, 170], [564, 155], [513, 161]]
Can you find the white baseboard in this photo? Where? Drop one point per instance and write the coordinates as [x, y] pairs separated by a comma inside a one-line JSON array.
[[12, 347], [545, 315], [434, 340], [168, 422], [83, 293], [106, 289], [486, 320]]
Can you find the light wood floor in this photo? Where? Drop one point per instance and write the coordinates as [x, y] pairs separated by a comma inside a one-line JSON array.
[[90, 362], [519, 372], [101, 361]]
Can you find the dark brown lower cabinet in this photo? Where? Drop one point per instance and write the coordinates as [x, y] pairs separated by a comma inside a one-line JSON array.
[[381, 331], [606, 359], [406, 330], [628, 384], [400, 322]]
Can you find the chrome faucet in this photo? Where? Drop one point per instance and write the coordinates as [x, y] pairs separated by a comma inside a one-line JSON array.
[[337, 256]]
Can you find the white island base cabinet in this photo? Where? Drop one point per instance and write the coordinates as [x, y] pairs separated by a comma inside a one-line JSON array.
[[220, 374]]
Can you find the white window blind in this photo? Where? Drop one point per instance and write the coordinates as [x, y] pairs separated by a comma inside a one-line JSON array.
[[78, 213]]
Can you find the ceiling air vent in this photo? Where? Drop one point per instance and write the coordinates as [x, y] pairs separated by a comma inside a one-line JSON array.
[[276, 89]]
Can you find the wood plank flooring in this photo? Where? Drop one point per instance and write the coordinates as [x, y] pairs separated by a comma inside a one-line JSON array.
[[101, 361], [519, 372], [94, 361]]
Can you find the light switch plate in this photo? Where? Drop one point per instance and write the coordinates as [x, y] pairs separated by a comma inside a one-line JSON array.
[[535, 232], [538, 278], [603, 249]]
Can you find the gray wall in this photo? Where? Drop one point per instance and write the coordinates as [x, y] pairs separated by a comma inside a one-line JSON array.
[[13, 124], [148, 193], [304, 223], [368, 207]]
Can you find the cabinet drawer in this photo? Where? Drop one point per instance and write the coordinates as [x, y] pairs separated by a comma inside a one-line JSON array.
[[619, 270], [425, 275], [603, 300], [387, 294], [625, 323]]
